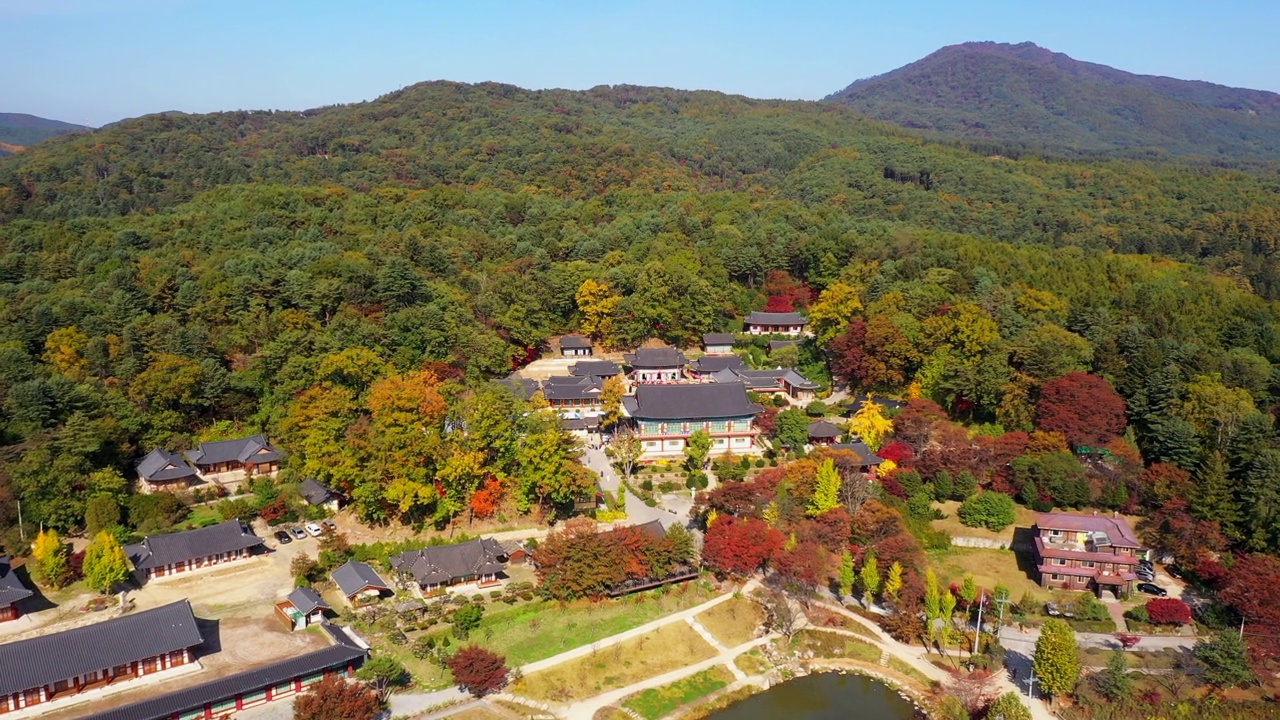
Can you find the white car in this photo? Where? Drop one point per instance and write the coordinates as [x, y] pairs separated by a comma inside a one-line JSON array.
[[314, 530]]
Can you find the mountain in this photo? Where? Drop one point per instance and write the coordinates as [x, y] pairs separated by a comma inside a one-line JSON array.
[[1025, 95], [21, 130]]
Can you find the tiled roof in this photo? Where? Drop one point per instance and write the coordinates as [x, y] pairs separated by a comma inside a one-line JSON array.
[[161, 550], [572, 388], [344, 652], [160, 465], [441, 564], [776, 344], [1116, 528], [574, 342], [306, 600], [598, 368], [678, 402], [11, 588], [315, 493], [655, 358], [716, 363], [822, 429], [519, 386], [796, 380], [860, 449], [242, 450], [580, 423], [766, 318], [46, 659], [356, 576], [718, 339]]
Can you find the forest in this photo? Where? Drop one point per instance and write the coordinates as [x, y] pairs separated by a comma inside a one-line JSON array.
[[336, 276]]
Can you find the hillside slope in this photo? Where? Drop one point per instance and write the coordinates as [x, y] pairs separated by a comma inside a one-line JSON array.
[[21, 129], [1027, 95]]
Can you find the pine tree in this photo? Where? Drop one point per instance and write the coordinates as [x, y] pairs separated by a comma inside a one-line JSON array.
[[870, 577], [1213, 498], [1056, 663], [1224, 660], [893, 583], [826, 491], [1113, 682], [846, 574], [105, 564]]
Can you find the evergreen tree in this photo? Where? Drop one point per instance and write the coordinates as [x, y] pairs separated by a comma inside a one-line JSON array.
[[1260, 496], [826, 490], [1056, 663], [1224, 660], [1212, 497], [1113, 682], [105, 564], [1172, 440]]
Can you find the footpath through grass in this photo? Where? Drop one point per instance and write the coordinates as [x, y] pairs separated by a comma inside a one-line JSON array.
[[732, 622], [538, 630], [669, 647], [658, 702]]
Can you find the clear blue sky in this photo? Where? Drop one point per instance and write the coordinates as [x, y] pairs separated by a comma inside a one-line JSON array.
[[96, 61]]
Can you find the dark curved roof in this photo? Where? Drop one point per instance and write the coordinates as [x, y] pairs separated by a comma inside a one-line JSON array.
[[716, 363], [679, 402], [860, 449], [305, 600], [574, 341], [655, 358], [718, 339], [598, 368], [161, 550], [439, 564], [254, 448], [822, 429], [11, 588], [46, 659], [315, 493], [356, 576], [768, 318], [161, 465]]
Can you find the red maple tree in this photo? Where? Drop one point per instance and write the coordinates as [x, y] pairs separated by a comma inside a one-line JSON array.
[[1168, 611], [478, 671], [1250, 591], [485, 500], [336, 699], [1083, 408], [739, 546]]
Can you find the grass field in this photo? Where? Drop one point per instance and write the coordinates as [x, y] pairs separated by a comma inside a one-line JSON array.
[[752, 662], [536, 631], [988, 567], [825, 618], [667, 648], [658, 702], [732, 622], [833, 645], [902, 667]]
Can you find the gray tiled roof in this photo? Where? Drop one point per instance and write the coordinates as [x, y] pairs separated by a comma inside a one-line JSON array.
[[356, 576], [677, 402], [860, 449], [655, 358], [778, 344], [314, 492], [796, 380], [46, 659], [718, 339], [245, 449], [160, 465], [823, 429], [766, 318], [306, 600], [161, 550], [343, 652], [598, 368], [572, 388], [11, 588], [574, 341], [716, 363], [441, 564], [586, 423]]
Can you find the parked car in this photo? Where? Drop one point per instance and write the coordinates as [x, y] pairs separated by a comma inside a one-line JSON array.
[[1174, 571], [298, 533], [1055, 610], [1151, 589], [1145, 574], [329, 526], [1146, 564], [283, 537], [314, 530]]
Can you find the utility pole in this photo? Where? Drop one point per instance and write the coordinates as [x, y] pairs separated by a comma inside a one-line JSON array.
[[22, 531], [978, 635], [1241, 635], [1001, 601], [1031, 683]]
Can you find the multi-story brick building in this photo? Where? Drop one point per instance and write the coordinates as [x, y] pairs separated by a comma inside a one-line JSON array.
[[1085, 552]]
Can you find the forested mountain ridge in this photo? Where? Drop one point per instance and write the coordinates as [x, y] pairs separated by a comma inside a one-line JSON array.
[[323, 276], [21, 129], [1024, 95]]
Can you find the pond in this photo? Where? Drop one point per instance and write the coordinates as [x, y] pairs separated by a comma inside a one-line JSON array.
[[823, 696]]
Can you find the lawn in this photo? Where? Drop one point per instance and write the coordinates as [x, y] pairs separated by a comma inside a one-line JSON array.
[[902, 667], [427, 674], [667, 648], [752, 662], [832, 645], [1165, 659], [825, 618], [732, 622], [989, 568], [535, 631], [658, 702], [951, 524]]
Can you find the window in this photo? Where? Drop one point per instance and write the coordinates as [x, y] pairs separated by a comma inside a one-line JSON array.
[[1087, 563], [1055, 533], [1055, 576], [1081, 580], [650, 444], [1057, 561], [717, 426]]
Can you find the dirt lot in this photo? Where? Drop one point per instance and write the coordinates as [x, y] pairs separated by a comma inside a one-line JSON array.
[[231, 646]]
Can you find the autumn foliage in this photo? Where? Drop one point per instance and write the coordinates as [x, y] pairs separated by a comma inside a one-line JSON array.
[[579, 562], [336, 699], [1250, 590], [1083, 408], [1168, 611], [478, 671], [739, 546]]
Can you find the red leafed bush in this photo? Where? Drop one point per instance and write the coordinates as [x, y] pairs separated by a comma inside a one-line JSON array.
[[896, 451], [478, 671], [1168, 611]]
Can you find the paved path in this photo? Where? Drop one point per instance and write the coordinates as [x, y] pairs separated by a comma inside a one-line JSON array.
[[1011, 636], [916, 658], [416, 703], [637, 512]]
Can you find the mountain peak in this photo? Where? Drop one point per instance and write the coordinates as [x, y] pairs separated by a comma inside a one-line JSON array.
[[1024, 94]]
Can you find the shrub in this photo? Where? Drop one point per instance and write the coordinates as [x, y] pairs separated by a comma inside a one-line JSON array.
[[1168, 611], [1138, 614], [991, 510], [646, 485], [759, 462], [1088, 607], [466, 620]]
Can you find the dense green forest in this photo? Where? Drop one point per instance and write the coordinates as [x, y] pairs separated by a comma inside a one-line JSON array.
[[1026, 96], [321, 276]]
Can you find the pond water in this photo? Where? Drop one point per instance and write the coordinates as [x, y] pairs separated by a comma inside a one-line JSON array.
[[823, 696]]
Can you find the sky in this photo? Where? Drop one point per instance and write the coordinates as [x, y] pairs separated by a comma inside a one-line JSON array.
[[97, 61]]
